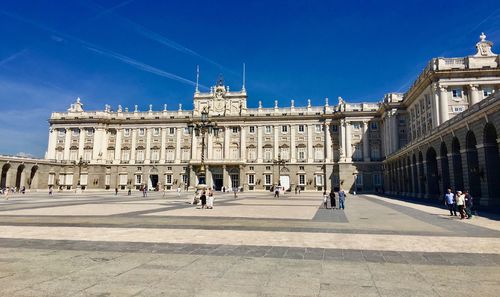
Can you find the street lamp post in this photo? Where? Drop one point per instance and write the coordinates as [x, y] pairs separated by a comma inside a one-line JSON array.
[[80, 163], [280, 162], [203, 127]]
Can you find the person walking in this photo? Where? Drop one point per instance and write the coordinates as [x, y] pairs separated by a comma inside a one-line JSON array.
[[203, 199], [178, 192], [145, 191], [468, 204], [333, 203], [449, 200], [6, 192], [342, 197], [116, 191], [276, 192], [50, 190], [129, 191], [325, 200], [460, 200], [210, 200]]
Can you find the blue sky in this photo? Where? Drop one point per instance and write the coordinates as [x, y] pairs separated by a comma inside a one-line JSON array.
[[145, 52]]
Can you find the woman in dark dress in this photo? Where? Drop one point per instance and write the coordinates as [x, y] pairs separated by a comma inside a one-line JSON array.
[[203, 199]]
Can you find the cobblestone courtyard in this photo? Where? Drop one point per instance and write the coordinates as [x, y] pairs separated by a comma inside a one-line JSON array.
[[105, 245]]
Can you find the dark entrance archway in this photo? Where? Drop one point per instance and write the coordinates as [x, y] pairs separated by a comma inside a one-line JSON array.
[[445, 168], [33, 177], [421, 172], [458, 174], [19, 175], [3, 179], [432, 173], [492, 164], [473, 166], [415, 174]]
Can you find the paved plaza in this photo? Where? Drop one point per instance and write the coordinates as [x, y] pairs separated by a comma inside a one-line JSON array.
[[99, 244]]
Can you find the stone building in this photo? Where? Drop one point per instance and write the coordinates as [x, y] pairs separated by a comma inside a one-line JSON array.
[[442, 132]]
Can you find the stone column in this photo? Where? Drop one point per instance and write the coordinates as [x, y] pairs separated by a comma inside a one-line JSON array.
[[276, 141], [366, 143], [147, 158], [259, 144], [194, 147], [51, 149], [133, 146], [443, 104], [81, 142], [435, 106], [474, 94], [178, 145], [328, 142], [243, 180], [227, 138], [243, 143], [225, 177], [163, 143], [348, 137], [97, 149], [118, 147], [67, 143], [104, 144], [343, 152], [310, 157], [208, 177], [192, 177], [395, 133], [293, 153]]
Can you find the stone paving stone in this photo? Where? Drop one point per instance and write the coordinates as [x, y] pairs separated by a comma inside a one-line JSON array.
[[314, 254], [276, 252], [295, 253], [352, 255]]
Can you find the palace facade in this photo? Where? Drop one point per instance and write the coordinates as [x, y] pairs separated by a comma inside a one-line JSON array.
[[441, 133]]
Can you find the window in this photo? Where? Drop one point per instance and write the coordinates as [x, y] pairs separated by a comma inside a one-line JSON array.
[[123, 179], [268, 154], [359, 179], [73, 155], [234, 151], [335, 128], [142, 131], [140, 155], [267, 179], [375, 152], [356, 126], [87, 155], [251, 179], [285, 153], [185, 154], [111, 155], [186, 131], [90, 132], [171, 131], [458, 109], [234, 129], [251, 154], [318, 153], [251, 168], [126, 132], [156, 131], [268, 129], [168, 179], [170, 155], [52, 177], [217, 155], [302, 179], [284, 129], [319, 180], [138, 179], [301, 128], [318, 128], [487, 91], [301, 153], [374, 126], [169, 168], [377, 181], [456, 93], [301, 168], [358, 153], [155, 155], [251, 129], [125, 155], [61, 132], [75, 132]]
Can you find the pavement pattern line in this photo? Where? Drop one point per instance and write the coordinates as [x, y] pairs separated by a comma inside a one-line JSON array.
[[259, 238]]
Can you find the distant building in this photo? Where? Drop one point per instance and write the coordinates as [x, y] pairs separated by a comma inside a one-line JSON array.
[[441, 133]]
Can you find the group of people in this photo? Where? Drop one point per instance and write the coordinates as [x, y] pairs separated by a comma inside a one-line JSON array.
[[333, 203], [206, 198], [461, 201], [6, 190]]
